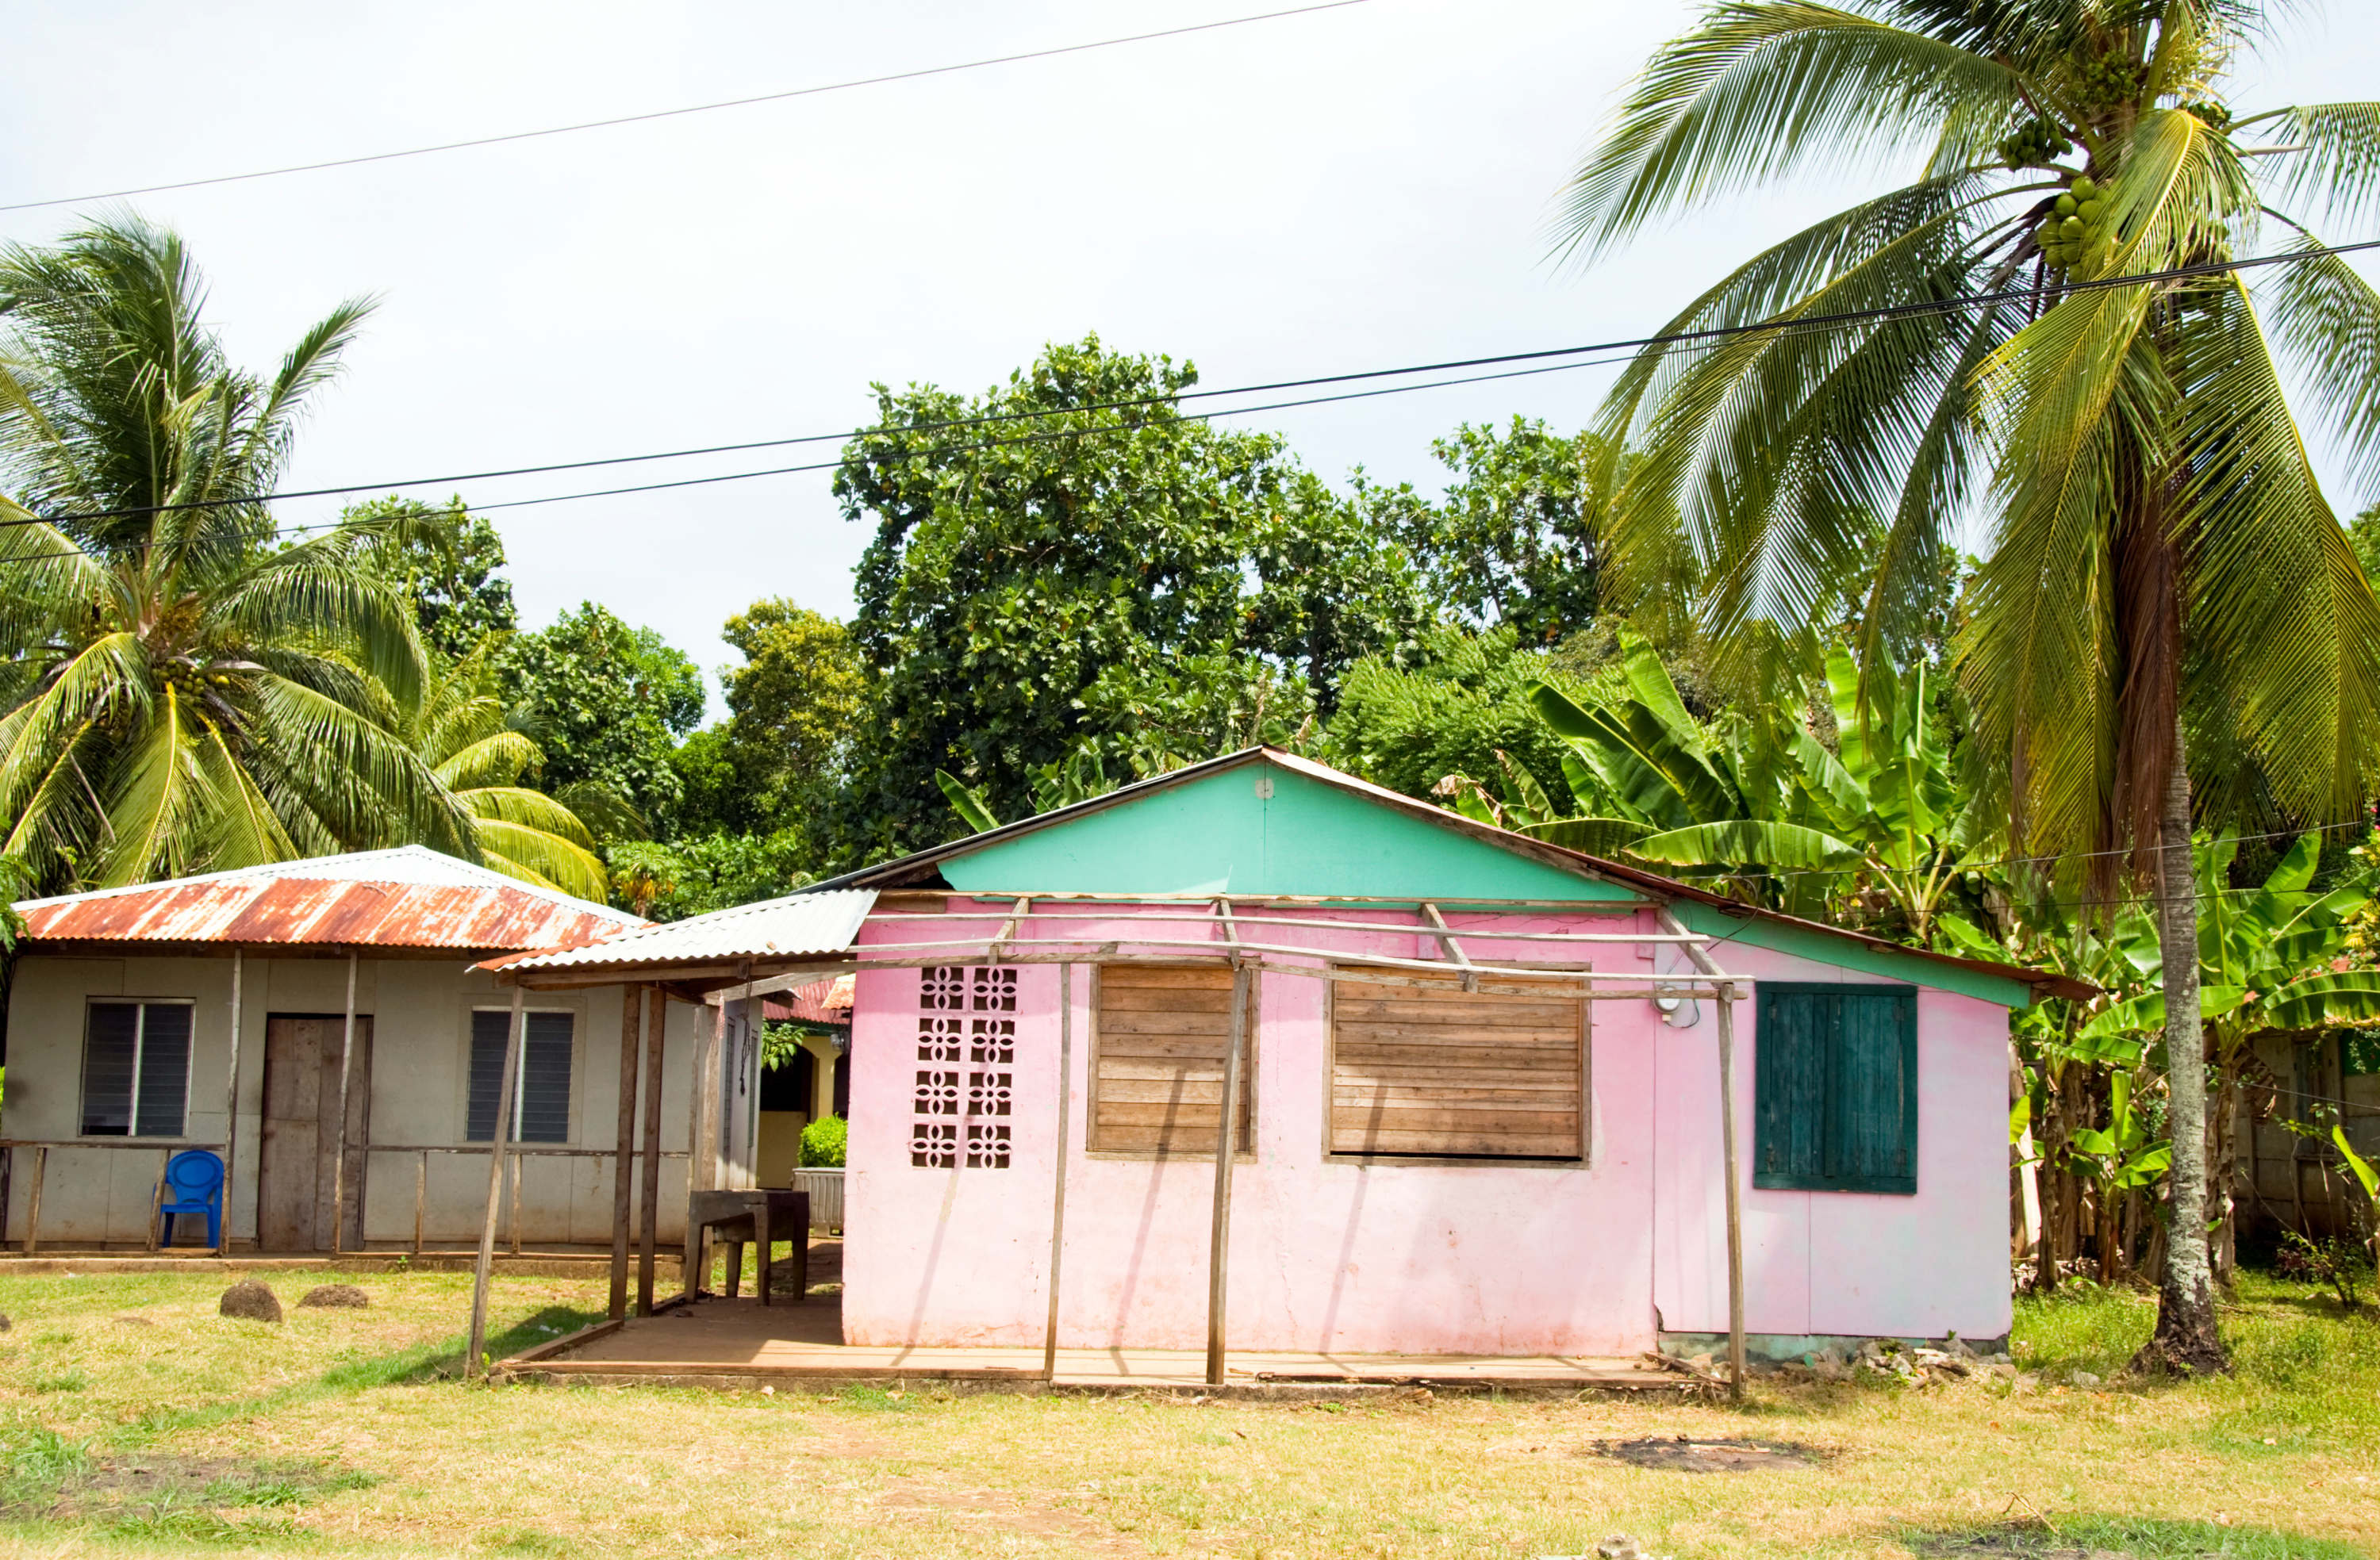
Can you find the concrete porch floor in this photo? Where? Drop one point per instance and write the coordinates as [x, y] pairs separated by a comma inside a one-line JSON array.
[[740, 1344]]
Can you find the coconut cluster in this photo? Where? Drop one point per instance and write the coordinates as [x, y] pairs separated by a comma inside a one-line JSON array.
[[2074, 234]]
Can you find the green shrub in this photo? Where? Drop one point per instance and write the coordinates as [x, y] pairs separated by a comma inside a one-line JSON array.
[[823, 1142]]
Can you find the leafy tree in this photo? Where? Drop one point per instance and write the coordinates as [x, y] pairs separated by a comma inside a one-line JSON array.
[[181, 696], [791, 706], [1449, 707], [670, 881], [1513, 542], [2168, 611], [450, 576], [1019, 564], [607, 702], [461, 728]]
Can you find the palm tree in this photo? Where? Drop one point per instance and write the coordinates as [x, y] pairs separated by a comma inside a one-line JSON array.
[[2169, 616], [180, 694], [480, 751]]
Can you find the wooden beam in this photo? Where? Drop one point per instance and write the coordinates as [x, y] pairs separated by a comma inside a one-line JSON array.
[[1058, 1198], [339, 1152], [33, 1210], [472, 1364], [1016, 913], [231, 1105], [1710, 968], [1226, 1145], [702, 1146], [623, 1164], [1451, 949], [656, 1035]]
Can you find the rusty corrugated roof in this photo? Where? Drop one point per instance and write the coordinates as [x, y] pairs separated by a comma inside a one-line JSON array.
[[410, 896], [827, 1002]]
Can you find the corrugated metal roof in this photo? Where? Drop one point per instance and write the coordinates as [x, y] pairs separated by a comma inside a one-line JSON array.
[[826, 1001], [799, 924], [408, 897]]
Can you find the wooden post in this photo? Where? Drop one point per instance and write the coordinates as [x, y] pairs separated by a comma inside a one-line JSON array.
[[231, 1108], [157, 1200], [1058, 1198], [1735, 1366], [623, 1165], [33, 1201], [656, 1032], [472, 1364], [511, 1190], [1708, 967], [702, 1144], [339, 1154], [1226, 1143], [420, 1195]]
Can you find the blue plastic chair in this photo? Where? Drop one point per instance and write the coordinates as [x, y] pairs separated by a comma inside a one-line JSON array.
[[193, 1184]]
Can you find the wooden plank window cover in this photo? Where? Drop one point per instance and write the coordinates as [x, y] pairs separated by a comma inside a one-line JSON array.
[[1442, 1073], [1835, 1088], [1160, 1039]]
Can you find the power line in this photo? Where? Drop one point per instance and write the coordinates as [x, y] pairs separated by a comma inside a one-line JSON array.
[[1777, 327], [694, 108]]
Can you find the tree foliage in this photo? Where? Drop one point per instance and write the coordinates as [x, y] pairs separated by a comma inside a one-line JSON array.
[[1080, 533], [778, 757], [451, 574], [1449, 707], [607, 703], [1514, 540]]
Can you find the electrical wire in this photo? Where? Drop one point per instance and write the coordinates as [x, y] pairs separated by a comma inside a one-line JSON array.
[[693, 108], [1780, 328]]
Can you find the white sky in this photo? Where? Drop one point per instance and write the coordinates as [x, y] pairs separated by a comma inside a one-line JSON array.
[[1356, 188]]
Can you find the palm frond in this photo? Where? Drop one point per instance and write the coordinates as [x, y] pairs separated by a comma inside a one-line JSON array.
[[555, 861], [156, 811], [1765, 88], [2336, 173], [2325, 317]]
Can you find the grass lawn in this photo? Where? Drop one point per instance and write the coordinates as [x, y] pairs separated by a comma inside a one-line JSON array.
[[134, 1420]]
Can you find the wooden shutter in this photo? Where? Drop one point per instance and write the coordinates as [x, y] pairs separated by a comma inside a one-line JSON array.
[[1835, 1088], [1436, 1070], [1160, 1044]]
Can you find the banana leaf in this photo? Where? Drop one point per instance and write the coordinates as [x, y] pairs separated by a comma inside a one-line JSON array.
[[1749, 842]]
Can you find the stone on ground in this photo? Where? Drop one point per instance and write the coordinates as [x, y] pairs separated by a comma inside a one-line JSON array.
[[250, 1301], [336, 1294]]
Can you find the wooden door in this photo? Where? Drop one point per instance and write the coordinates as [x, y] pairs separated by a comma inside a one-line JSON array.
[[297, 1166]]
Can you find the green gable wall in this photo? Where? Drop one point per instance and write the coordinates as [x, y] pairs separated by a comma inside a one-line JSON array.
[[1216, 835]]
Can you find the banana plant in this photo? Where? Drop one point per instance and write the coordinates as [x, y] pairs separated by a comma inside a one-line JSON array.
[[1756, 799]]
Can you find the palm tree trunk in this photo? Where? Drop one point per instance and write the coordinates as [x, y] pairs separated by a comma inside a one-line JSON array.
[[2185, 1341]]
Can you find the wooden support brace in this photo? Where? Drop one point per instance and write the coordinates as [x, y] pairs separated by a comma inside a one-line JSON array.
[[1710, 968], [33, 1208], [1226, 1145], [623, 1160], [339, 1154], [231, 1105], [1058, 1198], [656, 1030], [473, 1363], [1453, 949]]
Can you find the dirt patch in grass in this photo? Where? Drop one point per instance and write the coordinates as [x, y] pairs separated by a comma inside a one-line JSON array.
[[1680, 1454], [148, 1483], [996, 1511], [2105, 1538]]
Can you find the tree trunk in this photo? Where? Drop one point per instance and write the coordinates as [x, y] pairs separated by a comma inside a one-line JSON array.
[[2224, 1183], [2028, 1171], [2185, 1341]]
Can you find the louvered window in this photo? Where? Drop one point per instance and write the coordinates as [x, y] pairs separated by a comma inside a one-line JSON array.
[[1435, 1072], [541, 1100], [135, 1070], [1161, 1037], [1835, 1088]]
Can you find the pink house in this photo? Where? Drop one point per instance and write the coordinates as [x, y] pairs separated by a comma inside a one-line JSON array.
[[1478, 1086], [1405, 1183]]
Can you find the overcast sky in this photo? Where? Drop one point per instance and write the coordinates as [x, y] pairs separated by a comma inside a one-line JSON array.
[[1356, 188]]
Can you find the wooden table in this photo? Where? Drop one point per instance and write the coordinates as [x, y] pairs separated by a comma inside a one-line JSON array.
[[734, 1217]]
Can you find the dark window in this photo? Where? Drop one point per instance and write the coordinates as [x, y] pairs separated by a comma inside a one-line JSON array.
[[135, 1070], [541, 1110], [788, 1086], [1836, 1088]]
